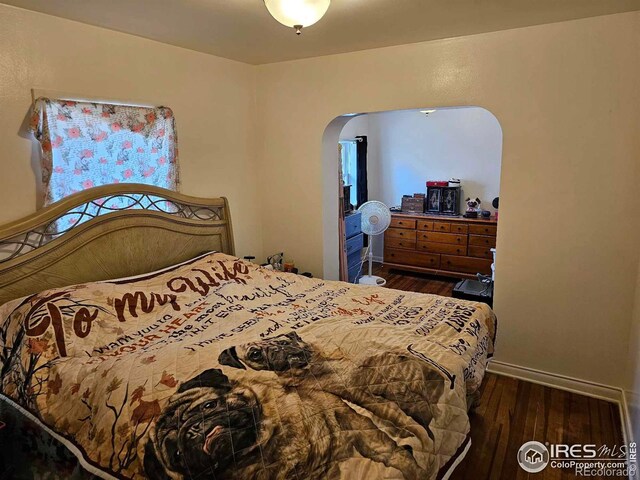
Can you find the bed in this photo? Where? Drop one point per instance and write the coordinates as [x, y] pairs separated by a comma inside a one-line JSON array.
[[134, 344]]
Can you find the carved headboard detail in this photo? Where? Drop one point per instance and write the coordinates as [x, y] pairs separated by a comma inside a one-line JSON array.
[[109, 232]]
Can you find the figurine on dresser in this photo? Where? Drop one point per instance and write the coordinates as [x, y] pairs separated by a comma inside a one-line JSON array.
[[473, 207]]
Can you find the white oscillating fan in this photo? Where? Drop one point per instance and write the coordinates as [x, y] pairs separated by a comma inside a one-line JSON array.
[[376, 218]]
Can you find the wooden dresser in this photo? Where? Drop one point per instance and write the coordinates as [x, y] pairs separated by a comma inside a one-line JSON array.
[[450, 246]]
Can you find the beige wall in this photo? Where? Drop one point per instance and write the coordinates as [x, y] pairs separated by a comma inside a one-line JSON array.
[[632, 388], [566, 97], [213, 100]]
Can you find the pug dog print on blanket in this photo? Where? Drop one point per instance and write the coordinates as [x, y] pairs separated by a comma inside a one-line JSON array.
[[216, 428], [207, 424], [399, 392]]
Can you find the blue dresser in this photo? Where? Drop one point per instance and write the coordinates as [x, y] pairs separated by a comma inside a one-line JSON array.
[[354, 244]]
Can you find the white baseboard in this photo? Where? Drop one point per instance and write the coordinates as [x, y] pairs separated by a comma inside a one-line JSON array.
[[562, 382], [625, 413], [378, 259], [575, 385]]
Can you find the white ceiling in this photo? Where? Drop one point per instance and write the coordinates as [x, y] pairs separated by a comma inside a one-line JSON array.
[[243, 29]]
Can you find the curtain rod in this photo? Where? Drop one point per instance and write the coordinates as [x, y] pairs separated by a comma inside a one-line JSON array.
[[59, 95], [351, 140]]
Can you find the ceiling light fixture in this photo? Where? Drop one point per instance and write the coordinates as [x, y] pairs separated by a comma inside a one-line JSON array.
[[297, 13], [427, 112]]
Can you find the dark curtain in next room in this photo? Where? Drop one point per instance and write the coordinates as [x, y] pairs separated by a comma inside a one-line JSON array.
[[361, 174], [361, 150]]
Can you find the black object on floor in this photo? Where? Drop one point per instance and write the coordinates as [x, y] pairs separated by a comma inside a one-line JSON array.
[[475, 291]]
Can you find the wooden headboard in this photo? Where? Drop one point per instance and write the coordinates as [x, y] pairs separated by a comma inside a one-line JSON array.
[[91, 236]]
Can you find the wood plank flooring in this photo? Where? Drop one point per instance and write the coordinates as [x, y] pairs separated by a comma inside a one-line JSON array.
[[512, 412], [415, 282]]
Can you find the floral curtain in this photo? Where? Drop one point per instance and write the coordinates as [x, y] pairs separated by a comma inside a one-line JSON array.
[[86, 145]]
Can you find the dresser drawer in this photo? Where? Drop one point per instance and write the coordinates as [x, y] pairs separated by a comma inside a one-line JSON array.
[[352, 224], [482, 240], [355, 244], [441, 227], [481, 252], [400, 233], [465, 264], [449, 248], [354, 273], [442, 238], [399, 243], [483, 229], [354, 259], [406, 257], [459, 228], [425, 225], [403, 223]]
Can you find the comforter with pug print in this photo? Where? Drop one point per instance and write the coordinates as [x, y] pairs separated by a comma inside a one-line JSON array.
[[217, 368]]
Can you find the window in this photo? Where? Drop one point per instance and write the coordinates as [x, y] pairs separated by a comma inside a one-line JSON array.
[[87, 145], [350, 168]]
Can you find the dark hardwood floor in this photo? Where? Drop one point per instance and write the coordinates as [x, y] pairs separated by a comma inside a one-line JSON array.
[[415, 282], [512, 412]]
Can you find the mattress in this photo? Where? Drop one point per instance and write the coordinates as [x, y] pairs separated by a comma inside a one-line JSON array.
[[218, 368]]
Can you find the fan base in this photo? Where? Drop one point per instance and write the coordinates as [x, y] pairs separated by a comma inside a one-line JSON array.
[[372, 281]]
